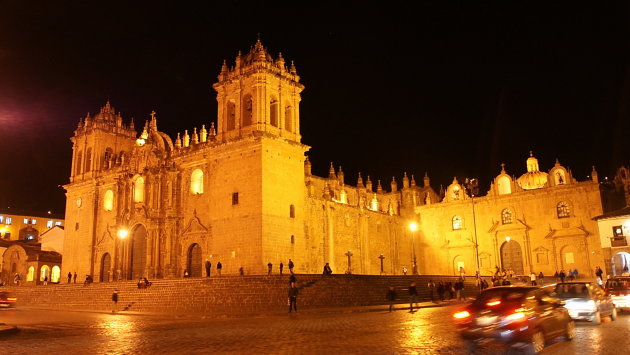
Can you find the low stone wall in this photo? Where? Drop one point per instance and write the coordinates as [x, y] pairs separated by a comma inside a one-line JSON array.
[[227, 294]]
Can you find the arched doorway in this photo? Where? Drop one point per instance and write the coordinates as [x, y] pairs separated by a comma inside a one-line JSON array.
[[512, 257], [193, 263], [55, 273], [138, 255], [620, 261], [106, 265], [458, 261]]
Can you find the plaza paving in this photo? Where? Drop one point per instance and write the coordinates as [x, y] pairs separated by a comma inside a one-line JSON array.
[[359, 330]]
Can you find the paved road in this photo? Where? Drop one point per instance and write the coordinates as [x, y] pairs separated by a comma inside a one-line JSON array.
[[357, 331]]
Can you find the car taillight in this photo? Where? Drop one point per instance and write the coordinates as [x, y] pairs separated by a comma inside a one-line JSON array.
[[493, 303], [11, 299], [515, 316], [461, 315]]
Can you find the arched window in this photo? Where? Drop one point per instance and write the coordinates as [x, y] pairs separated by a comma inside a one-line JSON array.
[[248, 106], [55, 274], [273, 112], [292, 211], [288, 118], [196, 182], [563, 210], [503, 185], [506, 216], [231, 116], [457, 222], [88, 160], [77, 166], [45, 271], [30, 275], [108, 200], [108, 158], [138, 189]]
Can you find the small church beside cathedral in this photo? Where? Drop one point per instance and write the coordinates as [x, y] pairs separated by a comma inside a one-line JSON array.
[[242, 193]]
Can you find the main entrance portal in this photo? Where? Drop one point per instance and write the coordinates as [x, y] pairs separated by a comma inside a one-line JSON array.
[[194, 260], [512, 257]]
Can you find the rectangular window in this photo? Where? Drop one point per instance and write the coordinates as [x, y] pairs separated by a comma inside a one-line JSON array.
[[8, 220], [541, 258], [49, 224], [25, 220], [33, 221], [1, 219], [57, 223], [235, 198], [617, 231]]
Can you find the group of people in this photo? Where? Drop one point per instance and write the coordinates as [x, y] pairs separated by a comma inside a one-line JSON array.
[[446, 290], [290, 264], [562, 275], [143, 282], [208, 266]]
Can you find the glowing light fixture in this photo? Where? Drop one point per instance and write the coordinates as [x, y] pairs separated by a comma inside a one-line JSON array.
[[413, 226], [123, 233], [507, 239]]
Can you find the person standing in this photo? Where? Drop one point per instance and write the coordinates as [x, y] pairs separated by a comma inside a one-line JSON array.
[[532, 278], [562, 275], [413, 296], [115, 300], [281, 267], [391, 297], [75, 277], [293, 293], [219, 267], [241, 271], [291, 265], [599, 272], [404, 270], [431, 286], [269, 268], [541, 279], [327, 270], [208, 268], [69, 276]]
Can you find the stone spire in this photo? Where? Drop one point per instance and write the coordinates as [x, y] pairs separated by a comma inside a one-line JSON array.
[[186, 139], [413, 181], [340, 176], [204, 134], [360, 182], [307, 167], [368, 184], [213, 131], [331, 172], [594, 175], [178, 141], [394, 184], [379, 188], [427, 181], [405, 181], [195, 137]]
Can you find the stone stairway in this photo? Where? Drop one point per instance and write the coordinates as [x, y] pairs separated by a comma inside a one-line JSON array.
[[226, 294]]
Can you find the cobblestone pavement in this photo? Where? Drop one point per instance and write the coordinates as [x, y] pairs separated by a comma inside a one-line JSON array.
[[350, 331]]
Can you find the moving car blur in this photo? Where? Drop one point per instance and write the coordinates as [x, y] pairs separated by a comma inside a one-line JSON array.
[[586, 301], [521, 317], [7, 300], [619, 290]]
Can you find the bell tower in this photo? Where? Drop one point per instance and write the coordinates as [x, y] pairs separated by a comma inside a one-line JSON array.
[[258, 94]]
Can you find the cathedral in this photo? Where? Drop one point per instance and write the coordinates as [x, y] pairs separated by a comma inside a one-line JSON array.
[[241, 193]]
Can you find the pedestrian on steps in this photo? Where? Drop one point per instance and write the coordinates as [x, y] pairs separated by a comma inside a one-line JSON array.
[[75, 277], [208, 268], [291, 265], [269, 268], [413, 296], [293, 293], [281, 267], [219, 267], [115, 300], [69, 276]]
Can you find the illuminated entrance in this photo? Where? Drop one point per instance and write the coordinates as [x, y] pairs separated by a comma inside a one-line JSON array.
[[106, 265], [138, 256], [620, 261], [512, 257], [194, 261]]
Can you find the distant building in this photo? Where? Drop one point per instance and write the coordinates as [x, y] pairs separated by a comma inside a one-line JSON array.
[[614, 231], [23, 227], [242, 193]]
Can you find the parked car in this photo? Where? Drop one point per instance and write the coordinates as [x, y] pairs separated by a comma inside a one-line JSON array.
[[619, 290], [7, 300], [586, 301], [521, 317]]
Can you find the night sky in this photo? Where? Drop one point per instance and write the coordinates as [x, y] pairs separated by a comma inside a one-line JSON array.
[[450, 88]]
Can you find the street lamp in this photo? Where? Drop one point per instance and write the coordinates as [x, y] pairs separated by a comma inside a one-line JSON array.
[[472, 186], [122, 235], [413, 227]]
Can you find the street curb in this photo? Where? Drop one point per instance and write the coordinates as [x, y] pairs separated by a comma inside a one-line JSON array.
[[7, 329]]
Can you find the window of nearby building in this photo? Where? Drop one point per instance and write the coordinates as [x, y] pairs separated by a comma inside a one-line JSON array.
[[31, 273], [33, 221], [292, 211], [196, 182], [49, 224], [1, 219], [108, 200], [30, 237], [563, 210], [25, 220], [8, 220], [235, 198], [457, 222], [617, 231], [506, 216]]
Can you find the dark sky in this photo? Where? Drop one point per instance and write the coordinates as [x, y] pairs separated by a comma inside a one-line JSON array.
[[451, 88]]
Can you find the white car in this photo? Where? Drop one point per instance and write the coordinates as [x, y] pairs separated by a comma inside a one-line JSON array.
[[586, 301]]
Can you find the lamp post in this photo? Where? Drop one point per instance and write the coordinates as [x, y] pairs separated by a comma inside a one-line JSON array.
[[472, 186], [122, 235], [413, 226]]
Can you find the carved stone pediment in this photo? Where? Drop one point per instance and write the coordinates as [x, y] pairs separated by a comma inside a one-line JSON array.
[[195, 226], [517, 225]]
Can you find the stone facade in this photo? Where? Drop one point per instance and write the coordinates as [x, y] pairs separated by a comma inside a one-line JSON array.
[[243, 194]]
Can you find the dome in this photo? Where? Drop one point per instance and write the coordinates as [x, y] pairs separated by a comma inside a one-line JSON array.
[[534, 178]]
